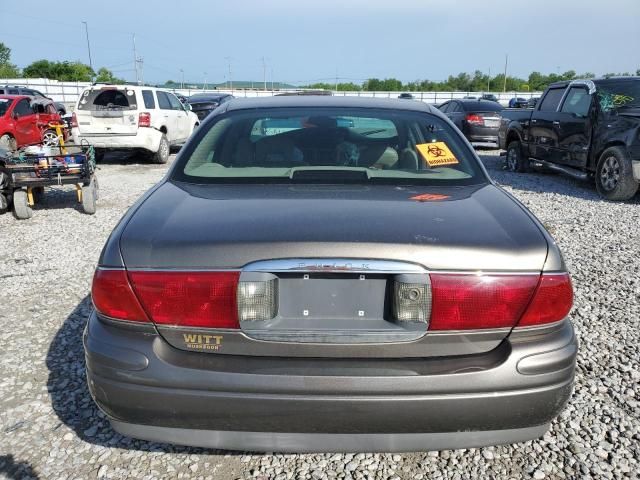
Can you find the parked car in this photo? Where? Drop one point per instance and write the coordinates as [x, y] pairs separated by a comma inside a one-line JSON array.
[[26, 121], [518, 102], [584, 128], [183, 99], [406, 96], [330, 289], [478, 120], [20, 90], [126, 117], [205, 103], [533, 101], [489, 96]]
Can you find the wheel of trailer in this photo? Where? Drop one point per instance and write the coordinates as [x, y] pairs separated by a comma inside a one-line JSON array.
[[515, 161], [21, 208], [614, 175], [162, 155], [89, 197], [7, 142], [50, 138]]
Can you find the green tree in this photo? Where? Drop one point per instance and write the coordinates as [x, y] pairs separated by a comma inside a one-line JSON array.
[[7, 69], [63, 71], [106, 76]]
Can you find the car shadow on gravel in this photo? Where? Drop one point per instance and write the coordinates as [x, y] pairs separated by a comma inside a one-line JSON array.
[[70, 397], [13, 469]]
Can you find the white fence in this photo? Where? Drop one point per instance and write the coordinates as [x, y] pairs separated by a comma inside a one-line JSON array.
[[68, 92]]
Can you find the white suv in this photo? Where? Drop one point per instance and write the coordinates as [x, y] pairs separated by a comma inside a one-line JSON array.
[[123, 117]]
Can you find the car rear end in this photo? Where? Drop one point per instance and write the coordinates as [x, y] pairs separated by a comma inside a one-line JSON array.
[[202, 106], [482, 122], [116, 117], [319, 315]]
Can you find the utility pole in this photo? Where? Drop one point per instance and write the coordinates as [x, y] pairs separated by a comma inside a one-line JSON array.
[[140, 61], [86, 31], [506, 61], [272, 80], [264, 73], [205, 81], [135, 59], [182, 82], [489, 81], [228, 59]]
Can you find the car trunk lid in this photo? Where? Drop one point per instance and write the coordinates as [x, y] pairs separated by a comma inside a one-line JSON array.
[[108, 111]]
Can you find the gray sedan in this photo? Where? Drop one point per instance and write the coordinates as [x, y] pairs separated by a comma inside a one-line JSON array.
[[330, 274]]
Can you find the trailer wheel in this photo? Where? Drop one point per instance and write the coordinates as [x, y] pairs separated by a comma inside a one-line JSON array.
[[614, 175], [21, 208], [89, 197]]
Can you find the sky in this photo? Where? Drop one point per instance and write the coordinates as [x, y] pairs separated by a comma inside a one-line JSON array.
[[308, 41]]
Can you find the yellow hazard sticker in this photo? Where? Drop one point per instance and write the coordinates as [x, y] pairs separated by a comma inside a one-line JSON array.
[[437, 154]]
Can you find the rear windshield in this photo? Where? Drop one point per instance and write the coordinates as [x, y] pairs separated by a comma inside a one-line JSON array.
[[616, 95], [5, 103], [328, 145], [108, 99], [483, 106]]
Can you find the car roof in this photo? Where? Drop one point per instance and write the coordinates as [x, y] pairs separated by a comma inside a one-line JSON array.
[[16, 97], [209, 95], [597, 81], [329, 101]]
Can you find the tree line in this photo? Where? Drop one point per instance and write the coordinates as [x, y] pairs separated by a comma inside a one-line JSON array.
[[464, 82], [63, 71]]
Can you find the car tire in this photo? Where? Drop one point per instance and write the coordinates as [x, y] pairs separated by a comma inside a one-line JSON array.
[[7, 142], [50, 138], [89, 197], [162, 155], [21, 208], [514, 160], [614, 175]]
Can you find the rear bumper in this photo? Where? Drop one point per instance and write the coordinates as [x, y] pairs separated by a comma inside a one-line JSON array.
[[152, 391], [145, 138]]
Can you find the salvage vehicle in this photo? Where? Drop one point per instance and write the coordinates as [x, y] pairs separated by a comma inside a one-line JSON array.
[[26, 121], [478, 120], [589, 129], [203, 104], [31, 92], [328, 288], [126, 117]]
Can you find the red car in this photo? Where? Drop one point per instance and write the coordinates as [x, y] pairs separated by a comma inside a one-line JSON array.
[[27, 121]]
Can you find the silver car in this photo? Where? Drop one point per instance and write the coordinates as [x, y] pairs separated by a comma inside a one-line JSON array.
[[330, 274]]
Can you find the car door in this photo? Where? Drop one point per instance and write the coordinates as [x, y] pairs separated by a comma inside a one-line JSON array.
[[455, 112], [27, 131], [573, 127], [169, 115], [542, 135], [183, 123]]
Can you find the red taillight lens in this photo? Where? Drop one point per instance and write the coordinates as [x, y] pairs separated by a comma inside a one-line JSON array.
[[474, 118], [144, 119], [194, 299], [467, 302], [74, 120], [552, 302], [113, 297]]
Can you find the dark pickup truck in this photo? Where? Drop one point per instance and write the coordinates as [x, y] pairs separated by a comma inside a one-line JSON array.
[[589, 129]]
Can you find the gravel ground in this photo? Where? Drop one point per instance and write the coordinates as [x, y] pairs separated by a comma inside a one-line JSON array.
[[50, 428]]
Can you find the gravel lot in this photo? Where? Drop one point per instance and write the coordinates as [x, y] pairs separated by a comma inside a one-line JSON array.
[[50, 428]]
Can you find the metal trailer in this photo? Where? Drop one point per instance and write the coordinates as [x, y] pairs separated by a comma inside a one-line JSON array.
[[24, 177]]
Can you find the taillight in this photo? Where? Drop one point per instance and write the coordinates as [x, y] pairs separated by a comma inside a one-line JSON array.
[[552, 302], [144, 119], [471, 302], [474, 119], [468, 302], [74, 120], [113, 297], [190, 299]]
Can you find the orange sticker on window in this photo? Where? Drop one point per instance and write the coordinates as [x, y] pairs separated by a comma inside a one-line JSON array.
[[436, 154]]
